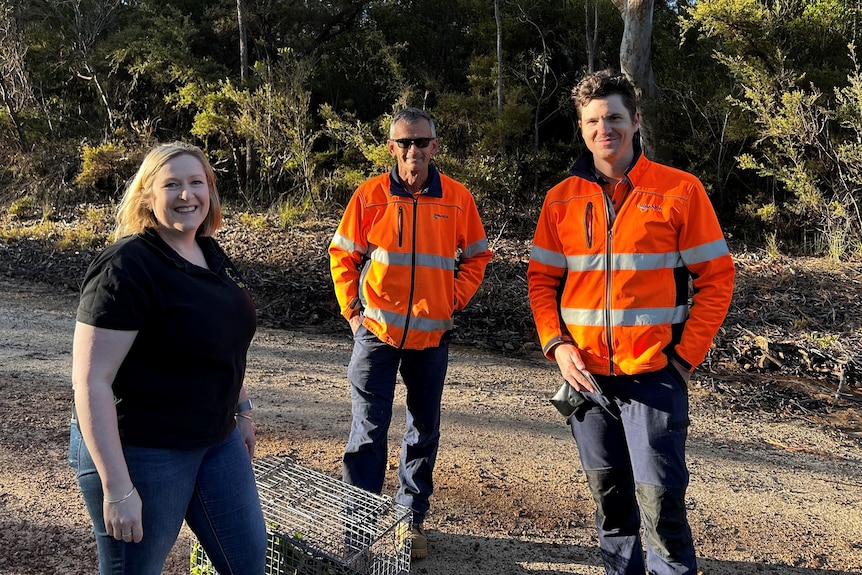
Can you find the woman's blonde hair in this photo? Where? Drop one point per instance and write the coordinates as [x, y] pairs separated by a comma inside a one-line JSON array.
[[134, 214]]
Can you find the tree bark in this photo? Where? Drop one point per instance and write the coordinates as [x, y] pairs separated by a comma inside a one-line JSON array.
[[591, 35], [243, 75], [636, 58], [243, 41], [499, 56]]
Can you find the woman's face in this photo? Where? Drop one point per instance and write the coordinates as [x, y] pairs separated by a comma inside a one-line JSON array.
[[180, 197]]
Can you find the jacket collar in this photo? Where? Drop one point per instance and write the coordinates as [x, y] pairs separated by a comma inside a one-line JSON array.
[[212, 253], [433, 186]]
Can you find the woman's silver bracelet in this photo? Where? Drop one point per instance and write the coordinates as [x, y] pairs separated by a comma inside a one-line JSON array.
[[121, 499]]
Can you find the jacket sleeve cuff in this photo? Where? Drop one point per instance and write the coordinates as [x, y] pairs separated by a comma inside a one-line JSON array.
[[353, 308], [683, 363], [548, 348]]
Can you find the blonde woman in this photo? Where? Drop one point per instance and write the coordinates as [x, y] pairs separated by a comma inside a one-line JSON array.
[[162, 431]]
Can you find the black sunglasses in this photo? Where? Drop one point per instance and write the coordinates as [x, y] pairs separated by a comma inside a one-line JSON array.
[[405, 143]]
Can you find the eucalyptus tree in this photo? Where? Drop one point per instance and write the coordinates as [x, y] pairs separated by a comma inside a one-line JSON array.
[[636, 57]]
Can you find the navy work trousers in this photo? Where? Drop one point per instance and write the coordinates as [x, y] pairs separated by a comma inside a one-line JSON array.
[[633, 453], [372, 372]]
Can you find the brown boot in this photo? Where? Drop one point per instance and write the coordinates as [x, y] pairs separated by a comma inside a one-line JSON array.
[[419, 545]]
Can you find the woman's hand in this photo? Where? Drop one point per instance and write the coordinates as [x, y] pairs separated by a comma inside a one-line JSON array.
[[246, 428], [123, 516]]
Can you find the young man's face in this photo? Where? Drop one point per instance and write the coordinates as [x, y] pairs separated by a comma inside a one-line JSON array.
[[608, 129]]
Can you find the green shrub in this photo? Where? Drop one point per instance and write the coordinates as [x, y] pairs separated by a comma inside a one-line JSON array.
[[255, 222], [104, 168], [21, 208]]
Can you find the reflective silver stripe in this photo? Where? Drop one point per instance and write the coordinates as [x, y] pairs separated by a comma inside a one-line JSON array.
[[646, 262], [406, 259], [547, 257], [580, 316], [382, 256], [625, 317], [416, 323], [346, 243], [430, 325], [435, 261], [476, 248], [588, 263], [705, 252], [636, 262], [632, 261]]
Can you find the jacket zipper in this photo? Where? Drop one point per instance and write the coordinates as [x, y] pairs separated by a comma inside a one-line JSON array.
[[412, 270], [400, 226], [608, 276], [588, 224]]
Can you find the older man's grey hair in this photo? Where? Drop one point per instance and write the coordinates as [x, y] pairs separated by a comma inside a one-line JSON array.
[[411, 116]]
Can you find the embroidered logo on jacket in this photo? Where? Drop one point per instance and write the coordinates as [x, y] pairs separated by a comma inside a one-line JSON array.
[[441, 217], [235, 277], [653, 207]]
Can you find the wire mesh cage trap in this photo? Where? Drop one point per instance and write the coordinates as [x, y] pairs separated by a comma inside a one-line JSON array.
[[319, 525]]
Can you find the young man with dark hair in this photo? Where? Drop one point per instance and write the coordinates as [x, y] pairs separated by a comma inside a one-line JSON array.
[[615, 247]]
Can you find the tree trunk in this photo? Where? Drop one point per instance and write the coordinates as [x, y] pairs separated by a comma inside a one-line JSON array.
[[592, 36], [243, 75], [499, 56], [103, 96], [636, 60], [243, 41]]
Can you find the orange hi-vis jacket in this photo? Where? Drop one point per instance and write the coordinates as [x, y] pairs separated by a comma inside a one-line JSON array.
[[620, 292], [408, 262]]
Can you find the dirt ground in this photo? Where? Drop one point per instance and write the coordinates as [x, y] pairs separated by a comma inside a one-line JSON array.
[[768, 494]]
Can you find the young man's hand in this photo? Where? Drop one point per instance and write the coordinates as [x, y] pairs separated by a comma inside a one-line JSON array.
[[572, 367]]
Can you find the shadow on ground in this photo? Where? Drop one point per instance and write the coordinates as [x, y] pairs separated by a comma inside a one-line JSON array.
[[520, 557]]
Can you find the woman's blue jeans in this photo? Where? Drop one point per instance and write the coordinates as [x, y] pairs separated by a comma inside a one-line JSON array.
[[212, 489]]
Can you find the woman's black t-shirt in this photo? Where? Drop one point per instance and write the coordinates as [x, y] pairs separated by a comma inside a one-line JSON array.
[[178, 386]]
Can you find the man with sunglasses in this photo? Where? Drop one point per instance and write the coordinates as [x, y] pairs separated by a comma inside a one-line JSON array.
[[410, 250], [615, 248]]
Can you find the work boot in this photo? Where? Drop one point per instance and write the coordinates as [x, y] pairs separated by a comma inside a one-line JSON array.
[[419, 543]]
